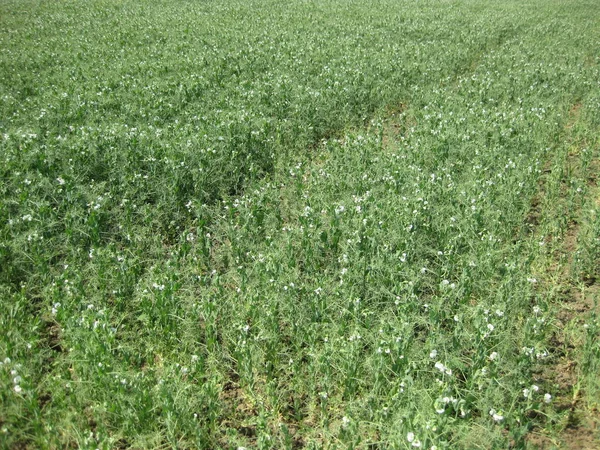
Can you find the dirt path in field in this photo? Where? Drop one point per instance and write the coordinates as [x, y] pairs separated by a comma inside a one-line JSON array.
[[575, 294]]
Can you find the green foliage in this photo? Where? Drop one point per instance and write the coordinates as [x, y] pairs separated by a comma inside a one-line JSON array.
[[270, 225]]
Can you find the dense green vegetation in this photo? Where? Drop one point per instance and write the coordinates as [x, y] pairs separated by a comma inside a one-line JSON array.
[[320, 224]]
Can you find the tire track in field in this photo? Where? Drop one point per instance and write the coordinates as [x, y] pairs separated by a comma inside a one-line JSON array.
[[574, 294]]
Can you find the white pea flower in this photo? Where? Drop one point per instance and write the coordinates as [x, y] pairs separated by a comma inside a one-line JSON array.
[[345, 422], [496, 415], [442, 368]]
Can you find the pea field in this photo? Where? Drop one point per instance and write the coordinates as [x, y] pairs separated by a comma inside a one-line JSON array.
[[320, 224]]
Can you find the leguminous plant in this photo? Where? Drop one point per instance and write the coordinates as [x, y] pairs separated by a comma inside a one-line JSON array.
[[303, 224]]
